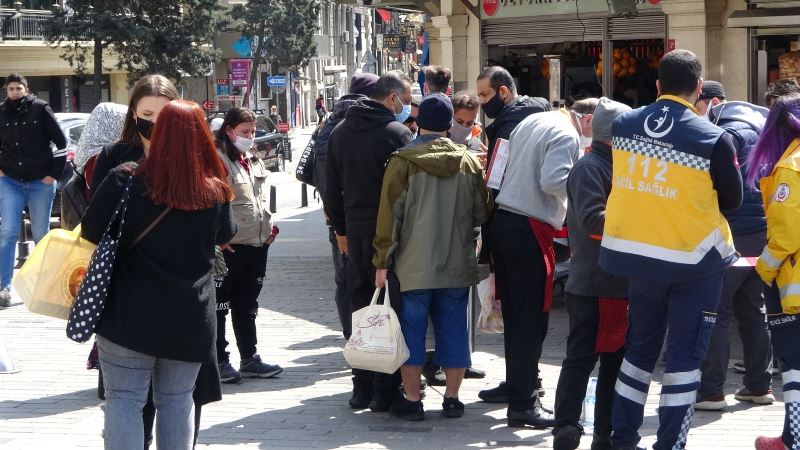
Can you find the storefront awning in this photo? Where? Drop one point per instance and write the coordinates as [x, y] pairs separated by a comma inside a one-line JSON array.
[[765, 17]]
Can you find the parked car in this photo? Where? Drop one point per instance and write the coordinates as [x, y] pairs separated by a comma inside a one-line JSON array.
[[272, 141], [72, 124]]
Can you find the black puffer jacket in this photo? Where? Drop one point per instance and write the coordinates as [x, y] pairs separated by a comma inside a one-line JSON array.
[[511, 115], [25, 136], [322, 136]]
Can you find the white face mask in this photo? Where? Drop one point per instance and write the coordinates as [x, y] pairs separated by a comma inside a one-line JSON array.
[[584, 141], [243, 144], [459, 134]]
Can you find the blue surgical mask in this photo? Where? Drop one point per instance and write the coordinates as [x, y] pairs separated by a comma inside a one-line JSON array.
[[404, 113]]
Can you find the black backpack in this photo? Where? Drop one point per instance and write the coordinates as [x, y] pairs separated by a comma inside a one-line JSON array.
[[305, 166], [74, 201]]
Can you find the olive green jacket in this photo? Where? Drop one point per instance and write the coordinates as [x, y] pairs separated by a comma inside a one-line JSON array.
[[433, 198]]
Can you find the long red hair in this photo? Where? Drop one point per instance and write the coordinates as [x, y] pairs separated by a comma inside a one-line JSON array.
[[182, 168]]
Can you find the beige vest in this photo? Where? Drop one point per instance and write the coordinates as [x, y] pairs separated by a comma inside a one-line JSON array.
[[250, 200]]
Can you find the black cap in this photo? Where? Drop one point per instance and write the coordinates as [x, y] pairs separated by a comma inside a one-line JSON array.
[[435, 113], [712, 89]]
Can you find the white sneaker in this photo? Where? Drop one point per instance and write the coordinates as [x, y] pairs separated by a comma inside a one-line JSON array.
[[717, 403], [759, 398]]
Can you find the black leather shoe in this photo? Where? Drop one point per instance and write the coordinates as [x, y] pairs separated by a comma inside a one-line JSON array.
[[495, 395], [535, 417], [500, 394], [474, 373], [567, 437], [360, 398], [601, 443]]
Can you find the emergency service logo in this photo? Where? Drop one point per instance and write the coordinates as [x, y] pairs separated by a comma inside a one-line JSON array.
[[782, 193], [659, 131]]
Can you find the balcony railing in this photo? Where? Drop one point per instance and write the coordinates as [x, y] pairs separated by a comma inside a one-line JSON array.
[[28, 25]]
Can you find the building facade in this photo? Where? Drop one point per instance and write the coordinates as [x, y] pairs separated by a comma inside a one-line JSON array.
[[25, 50]]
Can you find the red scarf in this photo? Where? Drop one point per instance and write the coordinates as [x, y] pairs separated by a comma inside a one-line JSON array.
[[244, 162]]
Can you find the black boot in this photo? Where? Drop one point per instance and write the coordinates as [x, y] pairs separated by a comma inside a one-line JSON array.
[[567, 437]]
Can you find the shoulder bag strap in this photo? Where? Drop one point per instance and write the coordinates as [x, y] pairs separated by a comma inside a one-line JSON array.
[[148, 229]]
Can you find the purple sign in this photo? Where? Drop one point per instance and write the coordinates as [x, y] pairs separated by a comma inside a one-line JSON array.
[[240, 72]]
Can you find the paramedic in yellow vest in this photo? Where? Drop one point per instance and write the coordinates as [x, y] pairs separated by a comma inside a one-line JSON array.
[[777, 156], [674, 173]]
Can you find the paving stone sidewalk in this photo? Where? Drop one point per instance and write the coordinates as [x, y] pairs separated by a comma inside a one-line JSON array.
[[52, 403]]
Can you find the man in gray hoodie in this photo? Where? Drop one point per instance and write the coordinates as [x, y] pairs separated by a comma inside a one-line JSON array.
[[531, 206], [742, 287], [596, 300]]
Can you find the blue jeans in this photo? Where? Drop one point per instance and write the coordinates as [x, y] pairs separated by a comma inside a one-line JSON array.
[[127, 376], [14, 196], [448, 311]]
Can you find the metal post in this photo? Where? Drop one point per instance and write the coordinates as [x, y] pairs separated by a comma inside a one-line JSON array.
[[303, 195], [22, 245], [273, 199]]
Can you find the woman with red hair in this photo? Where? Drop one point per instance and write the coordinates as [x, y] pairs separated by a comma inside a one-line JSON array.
[[158, 321]]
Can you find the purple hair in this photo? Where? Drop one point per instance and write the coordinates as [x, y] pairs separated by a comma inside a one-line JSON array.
[[781, 128]]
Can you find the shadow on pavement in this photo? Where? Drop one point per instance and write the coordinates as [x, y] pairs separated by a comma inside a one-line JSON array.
[[49, 405], [327, 423]]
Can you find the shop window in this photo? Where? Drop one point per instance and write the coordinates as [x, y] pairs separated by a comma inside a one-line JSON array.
[[634, 68]]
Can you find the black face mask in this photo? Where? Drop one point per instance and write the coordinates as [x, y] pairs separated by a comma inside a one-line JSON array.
[[145, 127], [493, 107]]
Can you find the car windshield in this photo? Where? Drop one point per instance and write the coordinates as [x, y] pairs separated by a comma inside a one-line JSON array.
[[265, 123]]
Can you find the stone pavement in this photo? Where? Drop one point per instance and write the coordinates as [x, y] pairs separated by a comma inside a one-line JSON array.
[[52, 403]]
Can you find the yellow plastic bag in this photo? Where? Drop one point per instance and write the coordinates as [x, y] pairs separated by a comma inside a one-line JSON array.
[[50, 278]]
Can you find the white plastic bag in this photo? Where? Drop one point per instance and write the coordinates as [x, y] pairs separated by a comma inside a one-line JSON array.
[[491, 317], [377, 342]]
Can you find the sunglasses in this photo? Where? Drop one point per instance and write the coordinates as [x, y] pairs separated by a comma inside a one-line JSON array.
[[410, 120]]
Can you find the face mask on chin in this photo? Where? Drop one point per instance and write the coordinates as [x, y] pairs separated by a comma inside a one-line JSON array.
[[493, 107], [460, 134]]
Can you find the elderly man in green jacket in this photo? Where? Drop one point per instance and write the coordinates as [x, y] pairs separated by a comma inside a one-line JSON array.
[[433, 198]]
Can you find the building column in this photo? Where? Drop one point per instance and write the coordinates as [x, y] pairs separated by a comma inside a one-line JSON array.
[[119, 88], [698, 26]]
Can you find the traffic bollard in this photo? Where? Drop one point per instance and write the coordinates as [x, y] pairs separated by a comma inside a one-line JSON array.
[[304, 195], [22, 245], [273, 199]]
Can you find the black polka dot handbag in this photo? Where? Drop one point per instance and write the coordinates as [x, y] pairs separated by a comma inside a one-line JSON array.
[[91, 295]]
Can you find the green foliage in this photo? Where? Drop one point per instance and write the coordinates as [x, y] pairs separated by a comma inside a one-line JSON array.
[[173, 38], [281, 31]]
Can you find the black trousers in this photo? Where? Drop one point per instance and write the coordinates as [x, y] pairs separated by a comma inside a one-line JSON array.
[[238, 293], [361, 287], [520, 276], [342, 298], [584, 317]]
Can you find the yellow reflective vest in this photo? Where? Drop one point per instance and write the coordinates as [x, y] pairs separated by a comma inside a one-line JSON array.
[[663, 220], [779, 261]]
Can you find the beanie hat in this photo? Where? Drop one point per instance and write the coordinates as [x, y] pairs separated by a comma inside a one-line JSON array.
[[363, 83], [435, 113], [712, 89], [604, 114]]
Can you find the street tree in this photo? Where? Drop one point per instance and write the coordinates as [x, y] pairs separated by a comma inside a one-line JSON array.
[[281, 32], [147, 36]]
